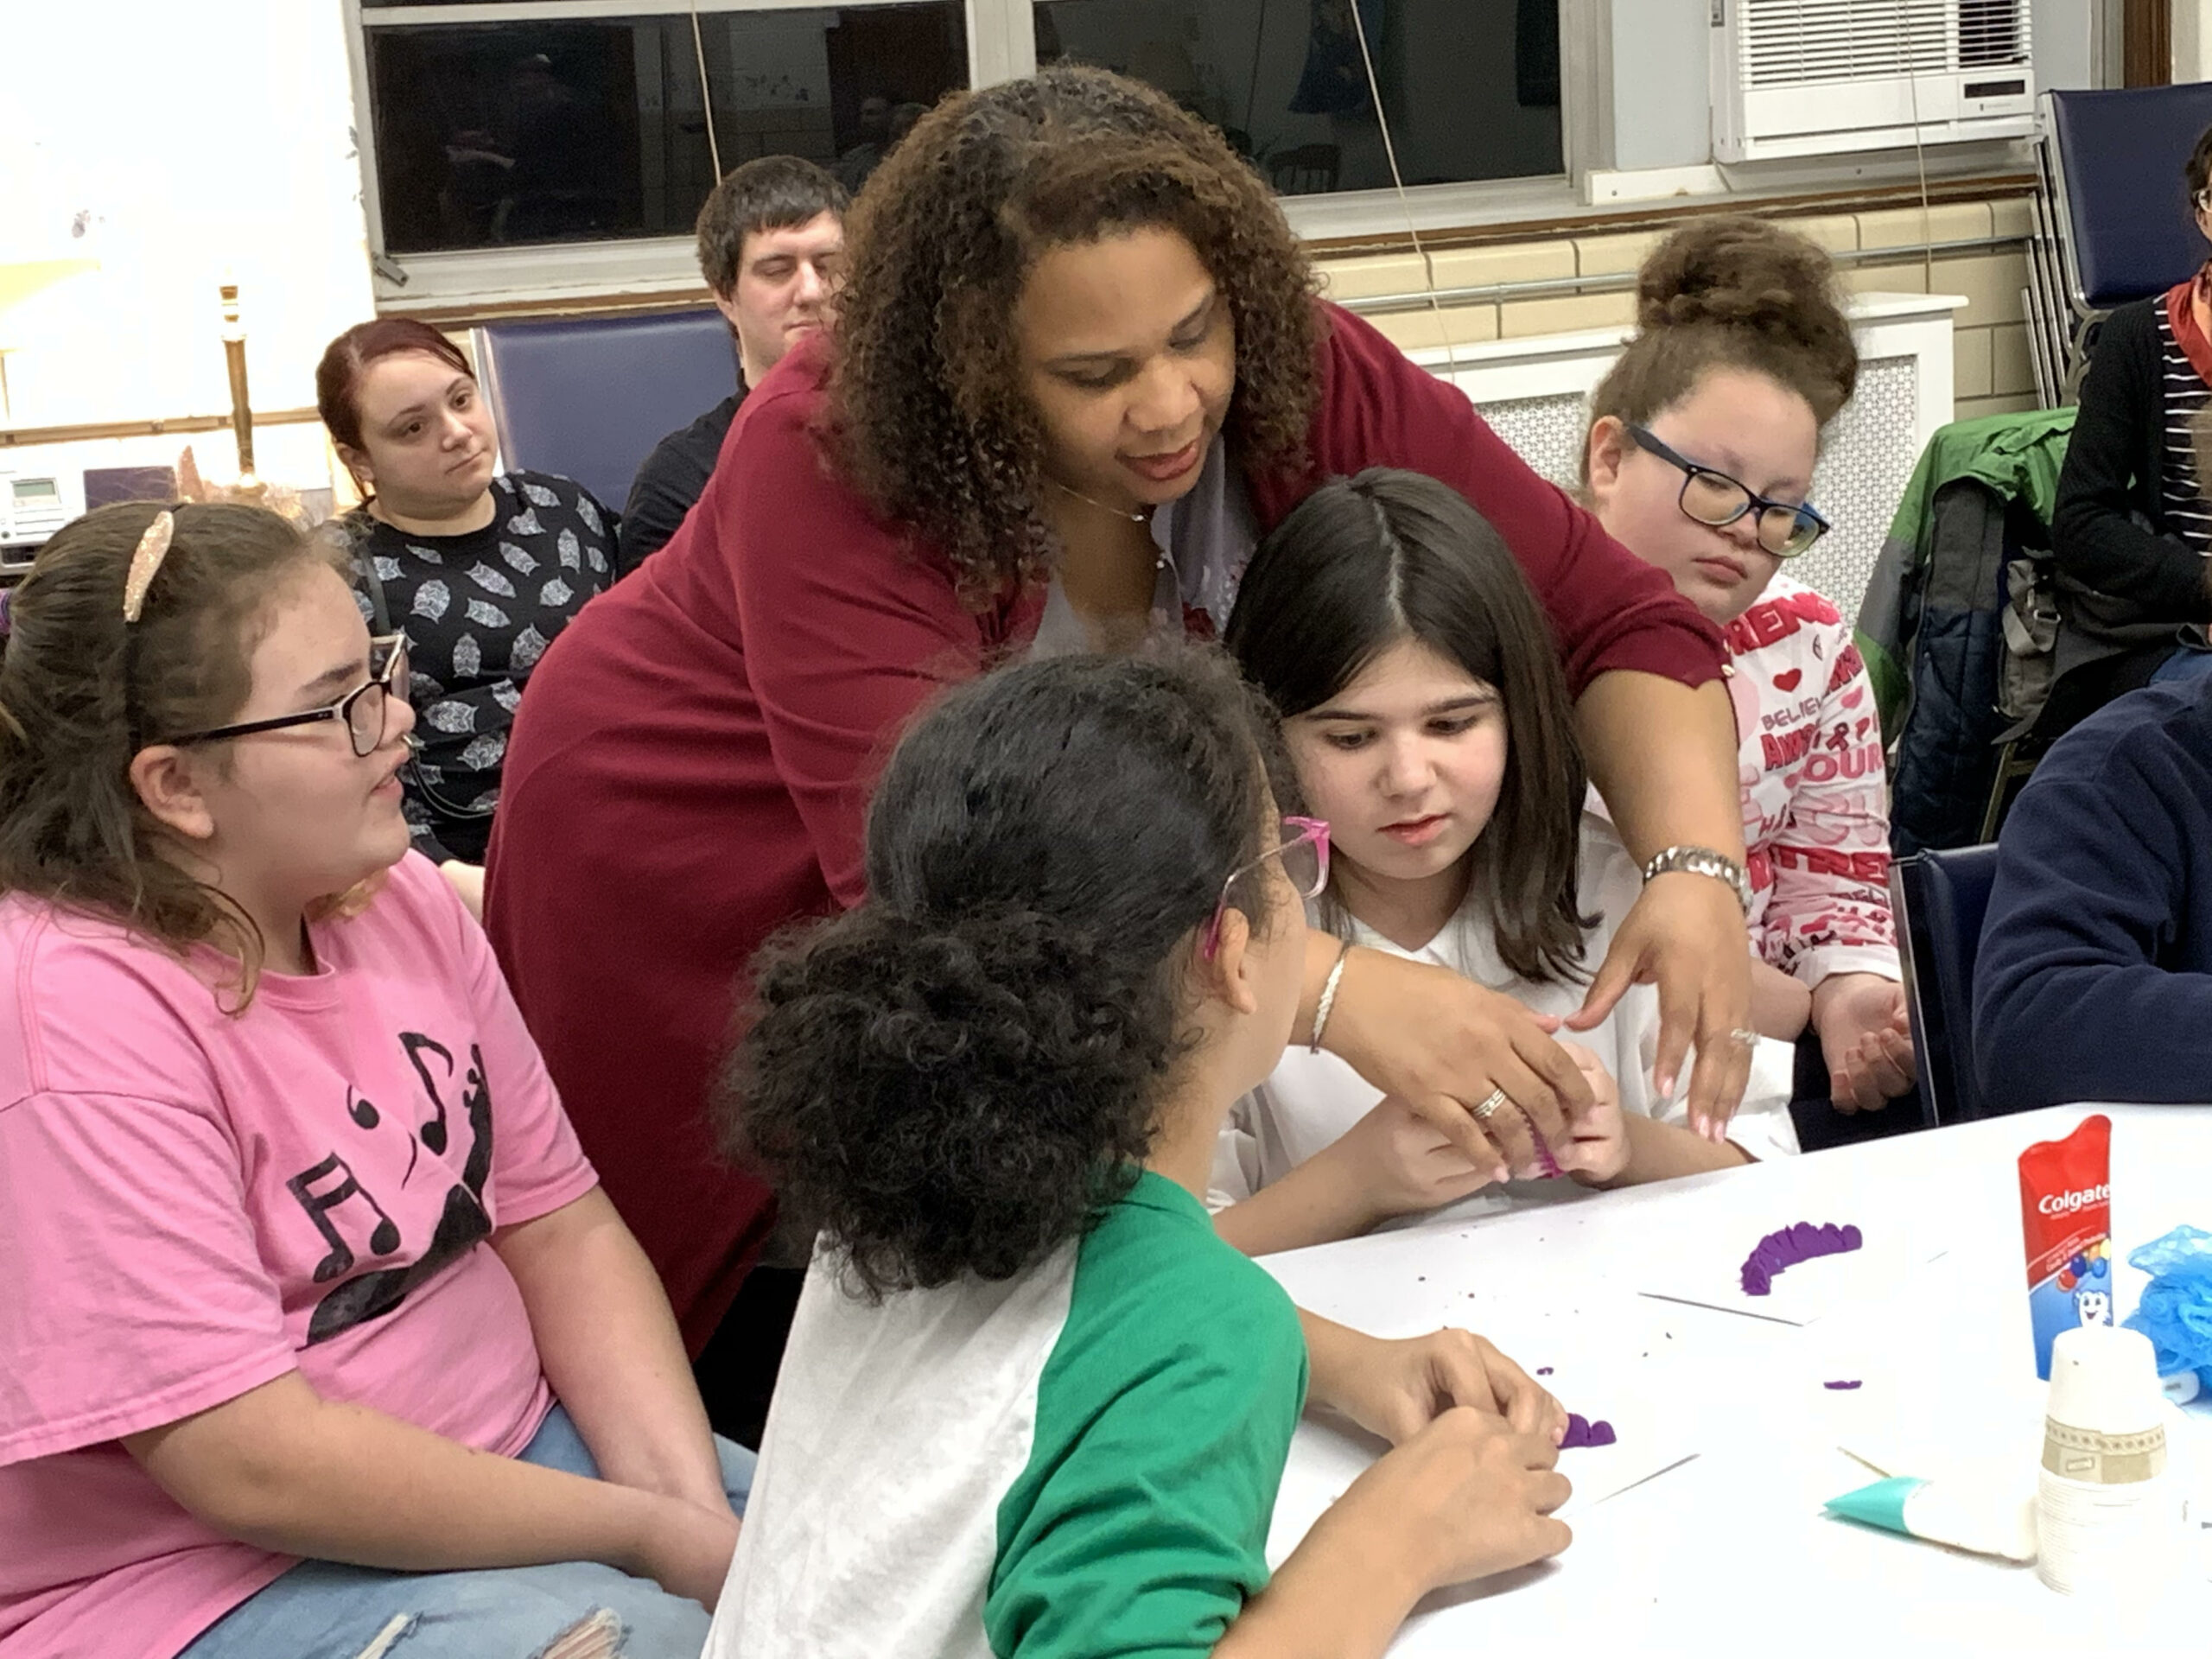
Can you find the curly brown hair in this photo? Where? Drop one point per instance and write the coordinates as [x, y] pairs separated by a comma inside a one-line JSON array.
[[959, 1074], [927, 398]]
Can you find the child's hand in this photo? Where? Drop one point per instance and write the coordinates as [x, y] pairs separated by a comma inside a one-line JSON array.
[[1396, 1388], [1467, 1497], [1598, 1151], [1400, 1164], [1866, 1038]]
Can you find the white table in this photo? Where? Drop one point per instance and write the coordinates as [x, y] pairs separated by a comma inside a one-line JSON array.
[[1731, 1552]]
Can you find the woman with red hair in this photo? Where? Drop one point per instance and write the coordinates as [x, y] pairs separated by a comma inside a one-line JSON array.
[[479, 569]]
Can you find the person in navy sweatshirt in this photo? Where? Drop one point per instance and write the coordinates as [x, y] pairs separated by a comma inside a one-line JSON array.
[[2094, 976]]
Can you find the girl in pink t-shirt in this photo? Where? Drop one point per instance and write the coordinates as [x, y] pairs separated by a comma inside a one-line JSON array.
[[1700, 458], [318, 1336]]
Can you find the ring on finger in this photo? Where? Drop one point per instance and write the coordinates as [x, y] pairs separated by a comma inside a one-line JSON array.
[[1742, 1036], [1487, 1108]]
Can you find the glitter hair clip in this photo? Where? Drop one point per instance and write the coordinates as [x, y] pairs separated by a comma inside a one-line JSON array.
[[153, 548]]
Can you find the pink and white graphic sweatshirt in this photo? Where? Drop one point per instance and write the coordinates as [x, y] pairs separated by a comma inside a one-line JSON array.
[[1816, 813]]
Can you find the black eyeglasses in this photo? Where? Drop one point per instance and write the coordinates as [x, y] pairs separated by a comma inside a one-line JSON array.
[[362, 710], [1785, 528]]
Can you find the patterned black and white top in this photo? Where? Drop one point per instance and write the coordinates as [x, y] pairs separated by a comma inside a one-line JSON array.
[[2188, 515], [479, 611]]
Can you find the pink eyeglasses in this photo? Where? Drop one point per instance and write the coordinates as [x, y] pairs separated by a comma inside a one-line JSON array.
[[1305, 860]]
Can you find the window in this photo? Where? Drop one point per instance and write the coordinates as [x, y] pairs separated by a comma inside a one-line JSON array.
[[493, 127], [506, 125], [1471, 87]]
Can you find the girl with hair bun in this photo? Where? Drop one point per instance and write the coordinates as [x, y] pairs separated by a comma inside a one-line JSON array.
[[1699, 460], [1032, 1405], [318, 1336]]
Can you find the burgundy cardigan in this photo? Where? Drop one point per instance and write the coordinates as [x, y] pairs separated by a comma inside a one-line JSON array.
[[689, 769]]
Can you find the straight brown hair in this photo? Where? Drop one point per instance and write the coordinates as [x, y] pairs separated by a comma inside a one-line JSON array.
[[82, 691], [1365, 562]]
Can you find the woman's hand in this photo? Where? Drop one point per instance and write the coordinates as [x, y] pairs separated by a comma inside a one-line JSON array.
[[1686, 933], [1600, 1151], [1866, 1038], [1396, 1389], [1441, 1044]]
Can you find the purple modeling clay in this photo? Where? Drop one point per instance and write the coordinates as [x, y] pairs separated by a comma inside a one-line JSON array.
[[1547, 1166], [1582, 1433], [1786, 1246], [1543, 1370], [1842, 1382]]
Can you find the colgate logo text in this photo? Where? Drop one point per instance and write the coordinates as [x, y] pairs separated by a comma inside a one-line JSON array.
[[2065, 1204]]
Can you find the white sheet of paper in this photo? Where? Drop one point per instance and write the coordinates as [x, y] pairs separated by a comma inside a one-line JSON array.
[[1706, 1271]]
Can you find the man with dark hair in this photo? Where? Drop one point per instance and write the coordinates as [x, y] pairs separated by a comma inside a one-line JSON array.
[[771, 242]]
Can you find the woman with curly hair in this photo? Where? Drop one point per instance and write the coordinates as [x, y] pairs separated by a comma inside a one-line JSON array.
[[1080, 368], [1033, 1404]]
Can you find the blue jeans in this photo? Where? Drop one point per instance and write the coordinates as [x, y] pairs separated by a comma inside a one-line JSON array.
[[319, 1610]]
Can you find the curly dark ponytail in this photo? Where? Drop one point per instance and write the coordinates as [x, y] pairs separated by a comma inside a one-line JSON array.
[[955, 1076]]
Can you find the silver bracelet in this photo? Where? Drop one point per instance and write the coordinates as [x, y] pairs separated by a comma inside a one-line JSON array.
[[1703, 861], [1328, 999]]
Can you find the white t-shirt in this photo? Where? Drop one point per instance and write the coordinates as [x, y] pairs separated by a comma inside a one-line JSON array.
[[1310, 1100], [1077, 1461]]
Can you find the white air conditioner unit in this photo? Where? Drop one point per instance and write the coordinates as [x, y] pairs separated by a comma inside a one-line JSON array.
[[1819, 77]]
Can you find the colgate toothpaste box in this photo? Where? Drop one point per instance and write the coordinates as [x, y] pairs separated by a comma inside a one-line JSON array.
[[2066, 1217]]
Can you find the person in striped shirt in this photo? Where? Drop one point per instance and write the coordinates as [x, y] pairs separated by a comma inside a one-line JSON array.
[[2131, 527]]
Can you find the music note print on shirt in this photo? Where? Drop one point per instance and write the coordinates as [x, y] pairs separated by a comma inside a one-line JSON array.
[[463, 1224], [384, 1238], [433, 1133]]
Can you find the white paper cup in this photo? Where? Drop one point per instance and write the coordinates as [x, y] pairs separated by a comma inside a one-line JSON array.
[[2107, 1516]]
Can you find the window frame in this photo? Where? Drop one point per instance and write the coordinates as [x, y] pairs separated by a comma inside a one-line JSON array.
[[1001, 46]]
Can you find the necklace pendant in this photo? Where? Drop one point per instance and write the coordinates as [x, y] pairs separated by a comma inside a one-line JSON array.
[[1144, 517]]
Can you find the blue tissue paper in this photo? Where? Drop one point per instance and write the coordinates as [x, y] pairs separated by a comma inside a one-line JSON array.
[[2176, 1312]]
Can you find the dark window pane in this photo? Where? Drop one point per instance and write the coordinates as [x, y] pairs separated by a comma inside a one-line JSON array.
[[590, 129], [1470, 87]]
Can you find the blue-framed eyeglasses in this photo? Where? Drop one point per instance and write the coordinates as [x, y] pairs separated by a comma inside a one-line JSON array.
[[1785, 528]]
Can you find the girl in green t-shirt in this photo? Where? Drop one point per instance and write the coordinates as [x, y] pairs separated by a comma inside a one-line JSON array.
[[1032, 1405]]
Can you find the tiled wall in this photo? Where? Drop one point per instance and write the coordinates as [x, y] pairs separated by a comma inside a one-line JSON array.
[[1990, 346]]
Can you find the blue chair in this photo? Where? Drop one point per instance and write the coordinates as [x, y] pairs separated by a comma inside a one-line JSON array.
[[588, 397], [2114, 222], [1939, 898]]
